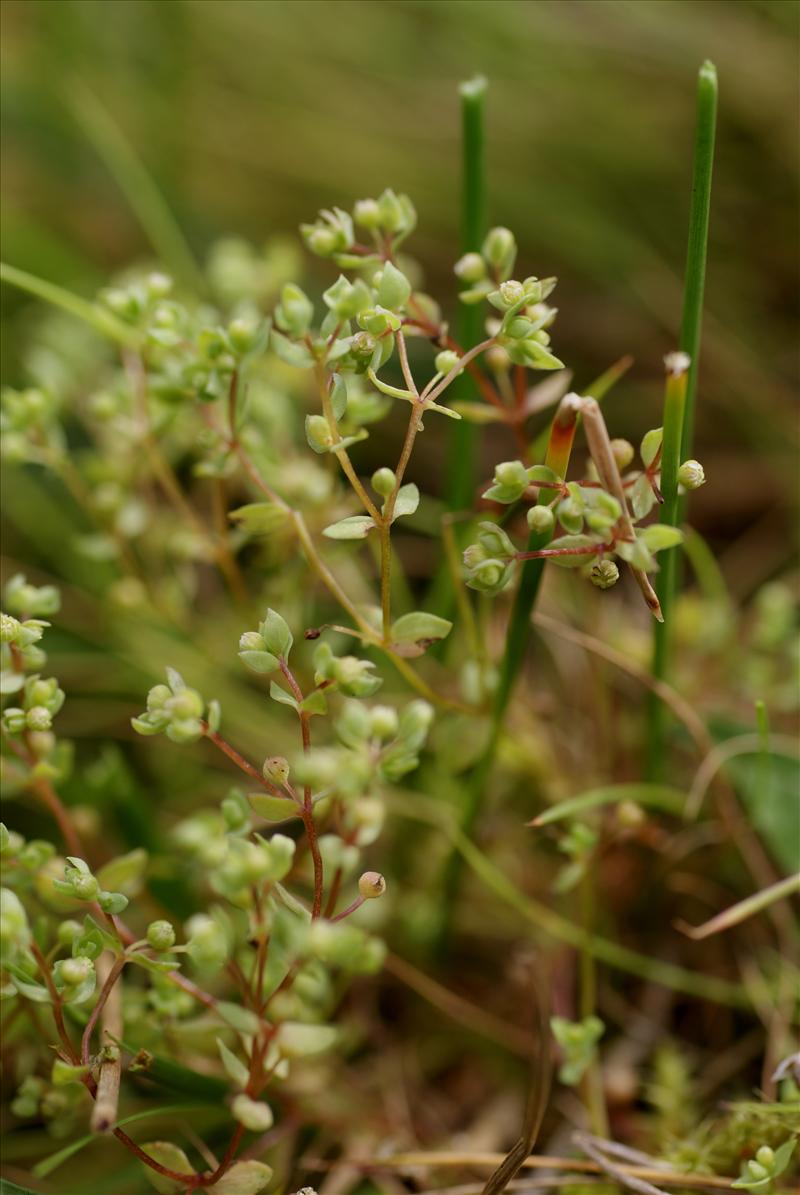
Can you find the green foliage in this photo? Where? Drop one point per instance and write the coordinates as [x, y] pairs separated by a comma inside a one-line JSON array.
[[237, 404]]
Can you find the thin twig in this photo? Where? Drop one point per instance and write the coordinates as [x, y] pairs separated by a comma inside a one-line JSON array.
[[104, 1113]]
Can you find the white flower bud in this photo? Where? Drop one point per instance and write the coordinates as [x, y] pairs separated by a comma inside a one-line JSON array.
[[371, 885], [540, 519], [470, 268], [623, 452], [604, 574], [383, 482], [160, 935], [691, 475], [446, 360]]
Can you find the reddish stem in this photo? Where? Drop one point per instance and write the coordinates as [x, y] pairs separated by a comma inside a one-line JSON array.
[[113, 976]]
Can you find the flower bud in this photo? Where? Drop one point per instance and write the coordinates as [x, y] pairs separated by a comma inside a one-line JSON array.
[[391, 213], [384, 721], [540, 519], [362, 347], [318, 433], [206, 942], [623, 452], [68, 931], [9, 628], [604, 574], [251, 641], [295, 311], [497, 359], [470, 268], [14, 720], [275, 769], [74, 971], [253, 1114], [511, 292], [366, 213], [446, 360], [158, 697], [383, 482], [160, 935], [84, 887], [691, 475], [158, 285], [38, 718], [186, 704], [500, 248], [243, 334], [371, 885]]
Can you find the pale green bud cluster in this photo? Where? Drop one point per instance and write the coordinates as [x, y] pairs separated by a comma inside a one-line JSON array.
[[691, 475], [175, 710], [489, 564], [29, 426], [42, 699], [264, 649], [331, 233], [604, 574], [207, 941], [352, 676], [758, 1174], [31, 601], [483, 271], [80, 884], [578, 1042]]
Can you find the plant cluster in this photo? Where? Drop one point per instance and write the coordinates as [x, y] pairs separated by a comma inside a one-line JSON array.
[[206, 395]]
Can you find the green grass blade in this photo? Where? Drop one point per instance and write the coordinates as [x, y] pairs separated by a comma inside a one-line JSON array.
[[463, 442], [559, 449], [656, 796], [48, 1165], [137, 185], [561, 929], [697, 251], [683, 419], [91, 313]]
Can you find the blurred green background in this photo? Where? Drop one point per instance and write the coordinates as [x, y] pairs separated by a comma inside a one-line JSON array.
[[252, 114]]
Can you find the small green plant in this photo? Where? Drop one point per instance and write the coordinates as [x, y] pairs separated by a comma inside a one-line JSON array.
[[249, 384]]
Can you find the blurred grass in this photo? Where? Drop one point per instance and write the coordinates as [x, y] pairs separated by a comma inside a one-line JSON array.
[[251, 115]]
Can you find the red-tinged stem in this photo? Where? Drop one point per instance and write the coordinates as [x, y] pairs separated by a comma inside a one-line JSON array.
[[357, 903], [58, 1014], [307, 812], [543, 553], [243, 764], [113, 976]]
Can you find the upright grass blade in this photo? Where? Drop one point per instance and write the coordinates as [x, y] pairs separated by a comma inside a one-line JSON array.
[[691, 324], [91, 313], [463, 443], [557, 457], [137, 185]]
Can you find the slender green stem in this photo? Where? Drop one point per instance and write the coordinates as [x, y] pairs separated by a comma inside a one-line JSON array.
[[697, 251], [559, 449], [545, 919], [91, 313], [462, 446], [562, 434], [137, 185], [689, 341]]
